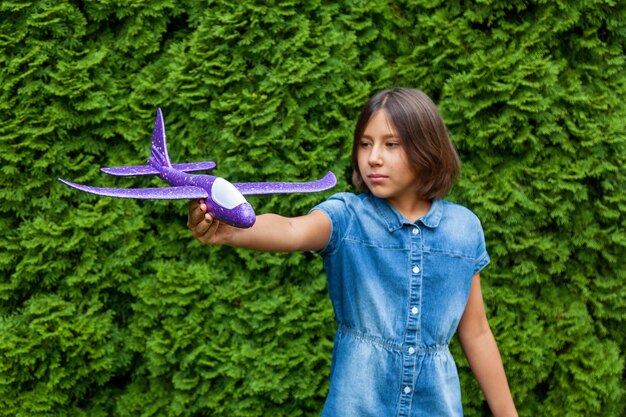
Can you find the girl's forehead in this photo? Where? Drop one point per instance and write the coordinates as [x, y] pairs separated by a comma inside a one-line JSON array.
[[380, 121]]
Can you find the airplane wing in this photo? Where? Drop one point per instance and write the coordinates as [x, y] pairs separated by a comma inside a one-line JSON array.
[[137, 170], [258, 188], [160, 193]]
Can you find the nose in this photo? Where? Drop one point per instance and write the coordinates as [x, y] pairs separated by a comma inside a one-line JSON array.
[[375, 156], [245, 216]]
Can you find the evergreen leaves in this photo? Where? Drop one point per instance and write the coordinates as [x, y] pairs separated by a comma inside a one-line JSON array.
[[108, 307]]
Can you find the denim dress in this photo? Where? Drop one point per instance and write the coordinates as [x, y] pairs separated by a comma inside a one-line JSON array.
[[398, 291]]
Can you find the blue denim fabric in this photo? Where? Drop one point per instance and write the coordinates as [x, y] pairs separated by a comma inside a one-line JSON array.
[[398, 290]]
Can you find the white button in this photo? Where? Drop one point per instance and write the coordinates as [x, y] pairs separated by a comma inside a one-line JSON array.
[[407, 390], [416, 230], [416, 269], [411, 350], [414, 310]]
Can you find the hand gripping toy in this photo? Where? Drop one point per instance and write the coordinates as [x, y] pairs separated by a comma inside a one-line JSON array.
[[225, 201]]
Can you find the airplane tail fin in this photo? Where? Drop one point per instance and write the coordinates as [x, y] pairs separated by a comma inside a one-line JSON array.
[[159, 156]]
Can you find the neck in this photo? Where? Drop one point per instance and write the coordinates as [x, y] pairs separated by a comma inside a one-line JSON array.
[[412, 209]]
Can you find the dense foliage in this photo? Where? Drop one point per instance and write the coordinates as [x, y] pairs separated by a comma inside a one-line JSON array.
[[108, 307]]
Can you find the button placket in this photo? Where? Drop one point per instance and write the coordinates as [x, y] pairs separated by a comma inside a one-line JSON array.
[[412, 337]]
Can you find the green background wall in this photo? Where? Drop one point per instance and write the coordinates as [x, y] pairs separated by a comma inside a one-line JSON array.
[[109, 307]]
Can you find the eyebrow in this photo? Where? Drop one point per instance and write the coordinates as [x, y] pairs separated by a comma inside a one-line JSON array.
[[387, 136]]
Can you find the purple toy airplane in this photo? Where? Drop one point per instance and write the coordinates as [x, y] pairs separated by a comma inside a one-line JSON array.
[[225, 201]]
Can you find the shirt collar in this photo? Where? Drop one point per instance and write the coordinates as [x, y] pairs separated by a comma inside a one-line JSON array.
[[395, 220]]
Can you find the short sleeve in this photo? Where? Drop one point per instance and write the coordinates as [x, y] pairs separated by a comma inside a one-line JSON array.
[[482, 257], [337, 209]]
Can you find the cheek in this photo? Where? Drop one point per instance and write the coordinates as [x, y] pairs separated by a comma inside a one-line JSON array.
[[406, 170], [403, 161], [361, 160], [397, 161]]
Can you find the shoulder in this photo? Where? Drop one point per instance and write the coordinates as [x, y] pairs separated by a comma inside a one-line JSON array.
[[342, 203], [465, 232], [345, 210], [461, 226], [456, 212], [347, 198]]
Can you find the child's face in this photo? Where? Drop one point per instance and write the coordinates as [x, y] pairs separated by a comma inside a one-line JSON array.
[[383, 162]]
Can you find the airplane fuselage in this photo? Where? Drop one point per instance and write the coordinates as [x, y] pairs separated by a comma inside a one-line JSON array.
[[223, 200]]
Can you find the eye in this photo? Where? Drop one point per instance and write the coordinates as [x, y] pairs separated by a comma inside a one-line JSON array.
[[364, 144], [393, 144]]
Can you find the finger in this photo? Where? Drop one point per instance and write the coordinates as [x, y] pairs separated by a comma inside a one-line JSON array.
[[202, 229], [195, 214], [212, 230], [196, 204]]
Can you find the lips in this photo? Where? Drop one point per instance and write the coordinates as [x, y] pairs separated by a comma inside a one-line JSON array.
[[377, 177]]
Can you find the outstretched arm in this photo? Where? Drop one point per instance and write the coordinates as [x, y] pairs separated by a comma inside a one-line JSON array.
[[483, 355], [270, 232]]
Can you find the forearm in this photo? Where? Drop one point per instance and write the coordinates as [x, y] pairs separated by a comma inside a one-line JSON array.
[[270, 233], [486, 364]]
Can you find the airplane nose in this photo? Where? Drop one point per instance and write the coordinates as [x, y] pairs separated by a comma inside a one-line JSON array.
[[244, 216]]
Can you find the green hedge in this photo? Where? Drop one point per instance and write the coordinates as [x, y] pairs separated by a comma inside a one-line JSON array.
[[109, 308]]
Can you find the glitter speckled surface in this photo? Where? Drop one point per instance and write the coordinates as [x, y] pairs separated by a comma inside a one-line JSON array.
[[190, 186], [138, 170], [258, 188]]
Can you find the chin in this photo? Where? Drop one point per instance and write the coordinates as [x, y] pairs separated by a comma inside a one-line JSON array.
[[377, 193]]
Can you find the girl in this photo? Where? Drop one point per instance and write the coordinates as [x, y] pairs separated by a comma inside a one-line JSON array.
[[402, 264]]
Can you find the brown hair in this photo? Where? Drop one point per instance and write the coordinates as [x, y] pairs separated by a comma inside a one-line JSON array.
[[424, 136]]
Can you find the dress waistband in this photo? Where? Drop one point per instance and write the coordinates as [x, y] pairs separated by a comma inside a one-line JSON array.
[[388, 344]]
